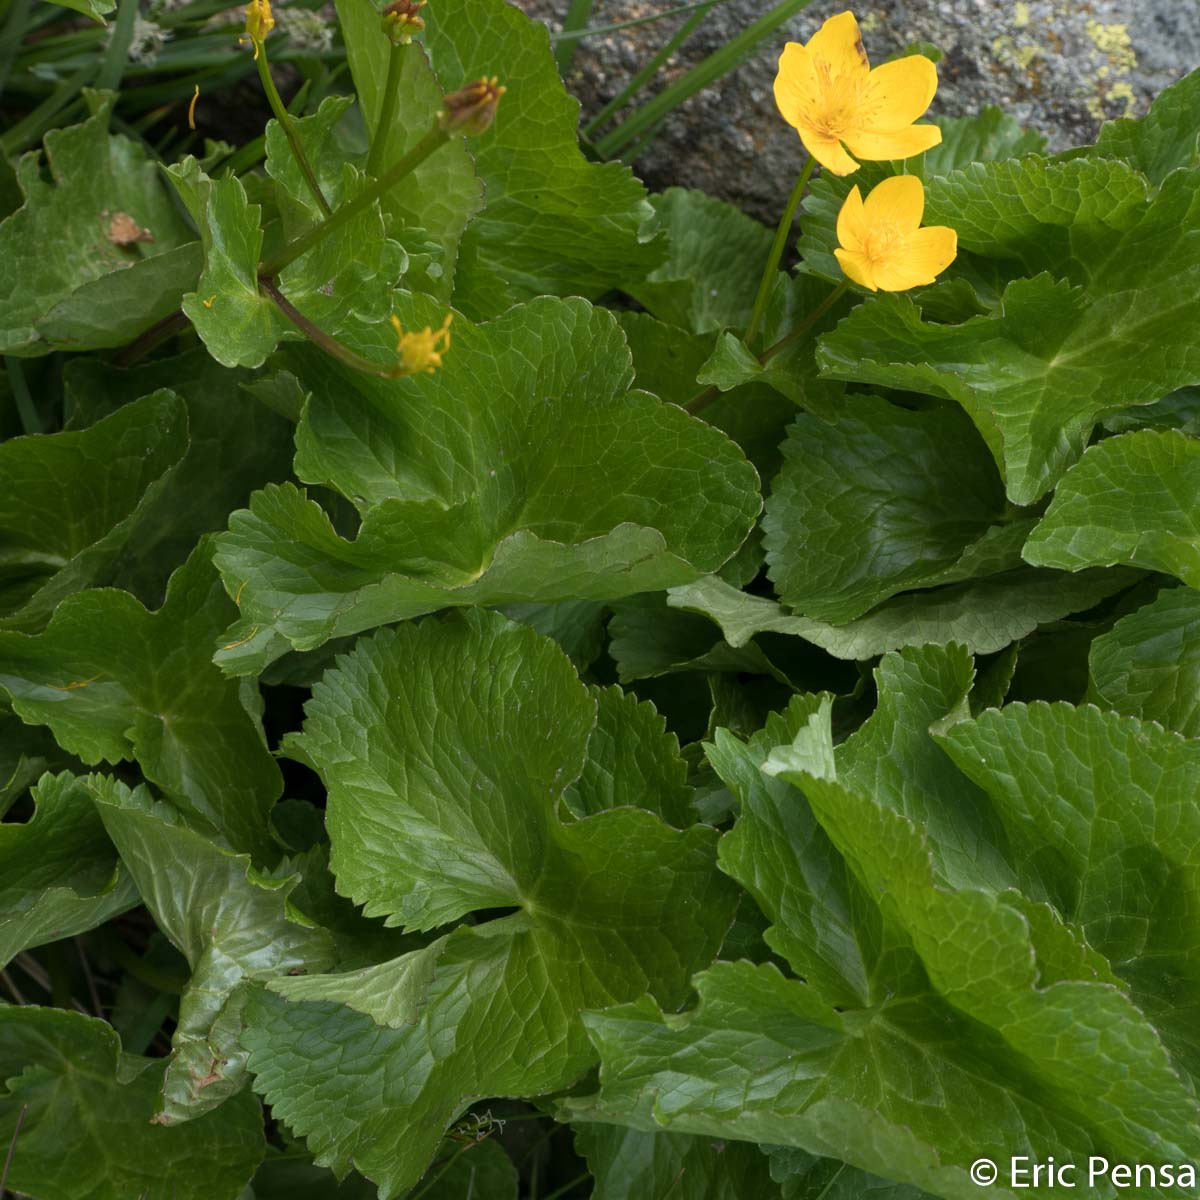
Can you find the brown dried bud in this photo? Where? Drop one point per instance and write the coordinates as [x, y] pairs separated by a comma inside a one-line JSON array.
[[473, 108], [401, 19]]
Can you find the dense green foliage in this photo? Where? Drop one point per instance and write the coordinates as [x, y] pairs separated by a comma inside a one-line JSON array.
[[769, 777]]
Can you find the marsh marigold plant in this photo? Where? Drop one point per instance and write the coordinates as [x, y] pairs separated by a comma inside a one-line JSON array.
[[827, 91], [881, 244]]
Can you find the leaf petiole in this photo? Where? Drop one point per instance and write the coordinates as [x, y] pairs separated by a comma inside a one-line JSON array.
[[433, 140], [289, 130]]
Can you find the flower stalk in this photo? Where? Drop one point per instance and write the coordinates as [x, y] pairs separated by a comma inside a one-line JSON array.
[[703, 399], [401, 19], [782, 232], [471, 110], [432, 141], [257, 29]]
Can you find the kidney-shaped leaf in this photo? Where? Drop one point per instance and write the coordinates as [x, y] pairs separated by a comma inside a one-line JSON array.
[[446, 748], [524, 470]]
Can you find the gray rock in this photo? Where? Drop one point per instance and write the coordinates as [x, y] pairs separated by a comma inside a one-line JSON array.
[[1059, 66]]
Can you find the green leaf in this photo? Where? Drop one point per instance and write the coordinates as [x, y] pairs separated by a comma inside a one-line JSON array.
[[761, 1059], [554, 222], [27, 752], [115, 682], [998, 998], [60, 873], [231, 923], [69, 502], [96, 9], [88, 1127], [576, 625], [468, 486], [64, 262], [715, 259], [628, 1164], [647, 639], [666, 358], [879, 500], [1038, 214], [237, 324], [1100, 814], [1055, 358], [632, 761], [1148, 665], [345, 280], [781, 856], [992, 134], [114, 309], [443, 193], [1130, 499], [809, 1177], [234, 448], [1165, 139], [985, 615], [432, 818]]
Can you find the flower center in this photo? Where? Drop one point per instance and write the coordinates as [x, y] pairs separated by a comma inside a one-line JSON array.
[[883, 242], [841, 104]]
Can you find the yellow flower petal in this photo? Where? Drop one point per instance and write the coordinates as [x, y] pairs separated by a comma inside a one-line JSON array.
[[838, 46], [851, 223], [882, 245], [857, 268], [796, 86], [922, 260], [881, 145], [828, 151], [899, 92], [927, 253], [898, 202]]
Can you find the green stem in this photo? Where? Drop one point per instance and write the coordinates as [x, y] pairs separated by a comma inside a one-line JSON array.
[[782, 232], [433, 140], [319, 337], [578, 14], [30, 422], [387, 110], [706, 397], [651, 69], [285, 121], [805, 325]]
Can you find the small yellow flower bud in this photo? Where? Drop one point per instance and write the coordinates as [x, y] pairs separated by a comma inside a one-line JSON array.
[[421, 353], [259, 22], [401, 19], [473, 108]]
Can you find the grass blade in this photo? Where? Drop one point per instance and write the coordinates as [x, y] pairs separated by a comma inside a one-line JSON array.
[[700, 76]]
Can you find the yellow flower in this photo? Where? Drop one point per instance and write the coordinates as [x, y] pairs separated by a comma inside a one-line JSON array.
[[260, 20], [827, 91], [422, 352], [882, 245]]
